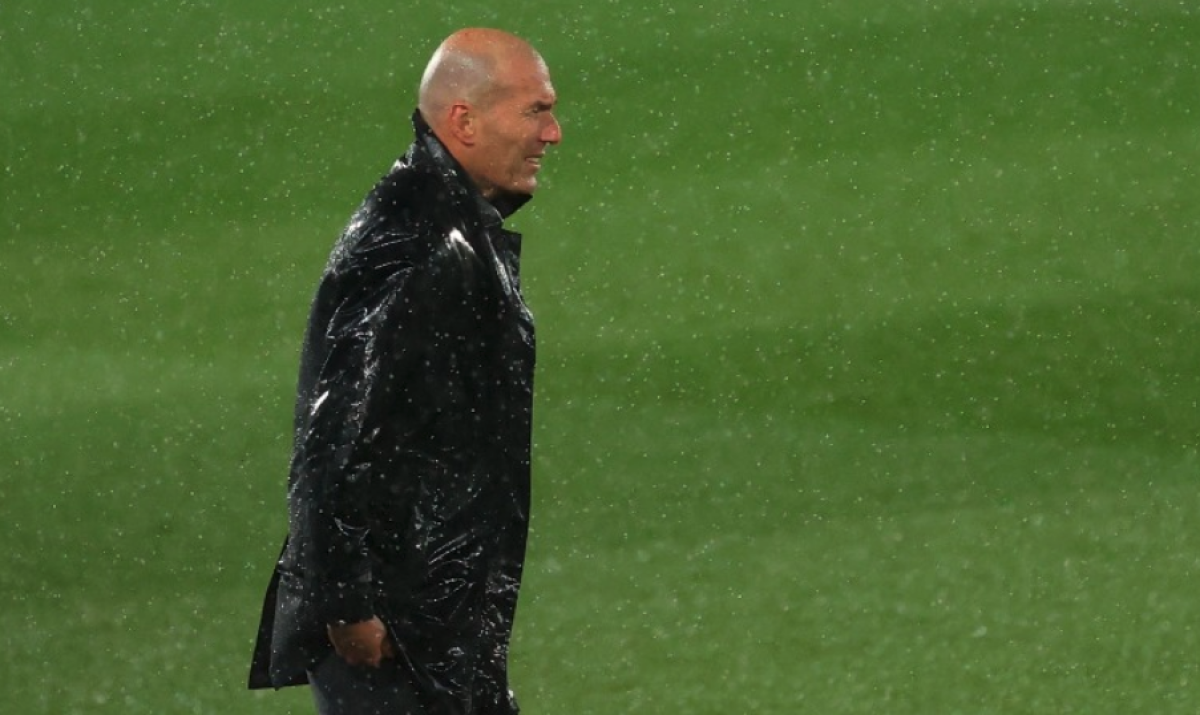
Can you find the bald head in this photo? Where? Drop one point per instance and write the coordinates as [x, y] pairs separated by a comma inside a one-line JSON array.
[[470, 66], [487, 96]]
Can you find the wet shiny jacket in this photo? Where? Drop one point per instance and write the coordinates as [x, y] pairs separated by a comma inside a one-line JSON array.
[[409, 489]]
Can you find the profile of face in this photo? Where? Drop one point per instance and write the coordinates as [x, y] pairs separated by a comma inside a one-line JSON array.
[[514, 128]]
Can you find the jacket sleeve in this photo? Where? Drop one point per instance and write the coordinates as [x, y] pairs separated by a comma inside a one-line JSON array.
[[375, 341]]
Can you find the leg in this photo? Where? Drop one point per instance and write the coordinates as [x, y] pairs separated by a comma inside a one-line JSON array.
[[341, 689]]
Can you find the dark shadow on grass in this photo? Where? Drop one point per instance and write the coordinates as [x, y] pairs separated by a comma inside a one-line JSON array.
[[1115, 368], [1106, 370]]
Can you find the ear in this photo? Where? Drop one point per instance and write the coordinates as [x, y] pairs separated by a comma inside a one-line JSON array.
[[463, 123]]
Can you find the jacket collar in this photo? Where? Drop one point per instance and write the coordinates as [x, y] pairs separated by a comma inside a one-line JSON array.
[[428, 150]]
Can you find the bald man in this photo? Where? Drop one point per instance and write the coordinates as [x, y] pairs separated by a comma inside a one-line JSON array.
[[408, 489]]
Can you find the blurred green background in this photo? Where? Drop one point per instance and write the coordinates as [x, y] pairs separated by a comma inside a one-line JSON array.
[[869, 346]]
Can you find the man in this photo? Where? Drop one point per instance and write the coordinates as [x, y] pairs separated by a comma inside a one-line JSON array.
[[408, 490]]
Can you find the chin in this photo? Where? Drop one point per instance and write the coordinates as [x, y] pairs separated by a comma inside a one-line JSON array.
[[525, 187], [525, 182]]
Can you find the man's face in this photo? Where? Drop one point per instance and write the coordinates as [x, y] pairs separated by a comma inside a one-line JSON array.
[[514, 130]]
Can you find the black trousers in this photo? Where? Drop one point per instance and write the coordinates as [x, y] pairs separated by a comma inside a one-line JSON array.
[[342, 689]]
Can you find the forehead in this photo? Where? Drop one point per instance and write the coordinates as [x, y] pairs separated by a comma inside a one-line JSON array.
[[527, 79]]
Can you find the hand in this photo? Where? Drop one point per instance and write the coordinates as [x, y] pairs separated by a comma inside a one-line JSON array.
[[363, 643]]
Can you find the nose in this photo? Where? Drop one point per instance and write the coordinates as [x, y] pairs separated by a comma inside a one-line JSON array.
[[552, 132]]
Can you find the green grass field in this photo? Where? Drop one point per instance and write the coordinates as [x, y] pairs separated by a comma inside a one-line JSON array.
[[869, 374]]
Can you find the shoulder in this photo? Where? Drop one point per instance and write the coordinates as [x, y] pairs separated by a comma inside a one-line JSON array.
[[394, 222], [404, 192], [405, 223]]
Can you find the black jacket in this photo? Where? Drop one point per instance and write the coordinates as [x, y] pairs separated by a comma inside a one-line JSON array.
[[408, 491]]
